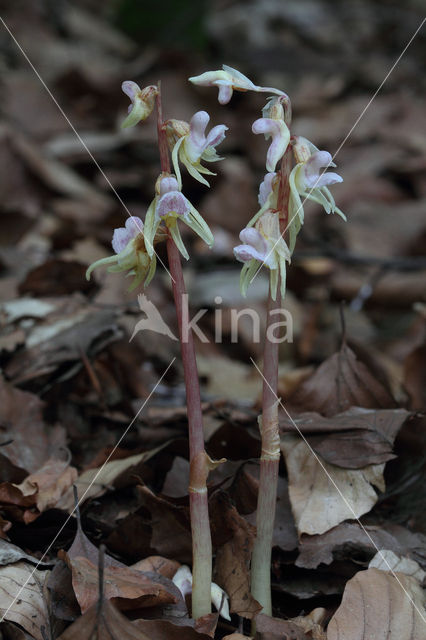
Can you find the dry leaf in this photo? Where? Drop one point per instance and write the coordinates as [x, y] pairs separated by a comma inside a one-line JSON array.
[[21, 596], [129, 588], [364, 436], [316, 503], [387, 560], [157, 564], [375, 605], [232, 563], [22, 423], [10, 553], [95, 482], [269, 628], [49, 483], [339, 383], [103, 623], [319, 549]]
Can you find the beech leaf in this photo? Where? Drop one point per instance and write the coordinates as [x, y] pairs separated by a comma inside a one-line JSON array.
[[378, 605], [316, 503]]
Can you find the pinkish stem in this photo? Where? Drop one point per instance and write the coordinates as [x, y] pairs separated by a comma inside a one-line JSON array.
[[198, 497]]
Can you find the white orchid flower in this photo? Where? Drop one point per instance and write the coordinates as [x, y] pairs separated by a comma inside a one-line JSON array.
[[263, 245], [228, 80], [190, 145], [142, 102], [309, 182], [168, 206], [131, 255]]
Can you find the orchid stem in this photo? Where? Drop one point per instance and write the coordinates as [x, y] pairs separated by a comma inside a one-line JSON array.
[[198, 498], [270, 456]]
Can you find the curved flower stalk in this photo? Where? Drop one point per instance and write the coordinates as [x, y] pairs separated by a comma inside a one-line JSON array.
[[263, 245], [309, 180], [190, 144], [168, 206], [131, 255], [228, 80], [142, 102]]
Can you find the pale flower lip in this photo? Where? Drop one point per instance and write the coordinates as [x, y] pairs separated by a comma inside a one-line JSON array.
[[123, 235], [228, 80], [280, 133]]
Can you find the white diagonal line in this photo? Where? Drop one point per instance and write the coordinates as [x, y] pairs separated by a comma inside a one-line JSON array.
[[80, 139], [318, 459], [344, 140], [88, 489]]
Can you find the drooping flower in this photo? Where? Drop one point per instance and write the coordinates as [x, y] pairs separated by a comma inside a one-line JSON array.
[[280, 134], [263, 245], [228, 80], [131, 255], [309, 181], [189, 144], [142, 102], [168, 206]]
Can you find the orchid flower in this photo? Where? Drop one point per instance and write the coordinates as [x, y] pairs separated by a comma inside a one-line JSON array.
[[142, 102], [190, 145], [263, 244], [308, 181], [273, 124], [228, 80], [168, 206], [130, 254]]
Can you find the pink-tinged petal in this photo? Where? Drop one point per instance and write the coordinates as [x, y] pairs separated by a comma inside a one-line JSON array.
[[251, 236], [312, 171], [197, 127], [280, 134], [123, 235], [120, 239], [328, 178], [131, 89], [265, 188], [225, 92], [216, 135], [168, 184], [318, 160], [173, 202], [245, 253]]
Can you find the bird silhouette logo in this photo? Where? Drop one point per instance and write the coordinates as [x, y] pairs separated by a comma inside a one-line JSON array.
[[153, 320]]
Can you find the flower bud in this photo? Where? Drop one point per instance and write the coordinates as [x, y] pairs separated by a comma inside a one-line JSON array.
[[142, 102]]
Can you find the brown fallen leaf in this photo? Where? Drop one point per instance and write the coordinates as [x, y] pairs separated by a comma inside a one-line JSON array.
[[128, 588], [319, 549], [16, 505], [316, 503], [362, 436], [49, 483], [22, 598], [269, 628], [157, 564], [22, 423], [165, 629], [378, 605], [103, 622], [233, 561], [339, 383]]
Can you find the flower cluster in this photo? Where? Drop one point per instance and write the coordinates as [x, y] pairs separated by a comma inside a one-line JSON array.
[[263, 240]]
